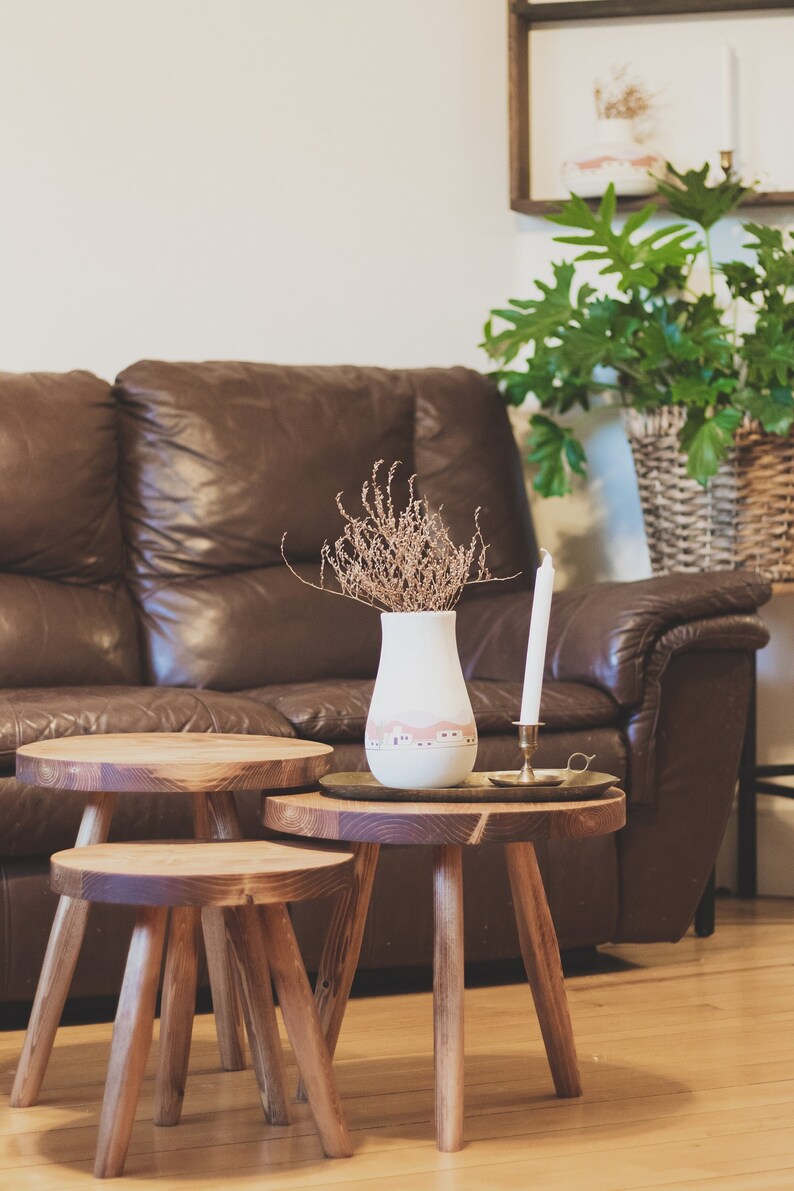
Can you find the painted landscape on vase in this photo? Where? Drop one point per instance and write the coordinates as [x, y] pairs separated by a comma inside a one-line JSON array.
[[420, 729]]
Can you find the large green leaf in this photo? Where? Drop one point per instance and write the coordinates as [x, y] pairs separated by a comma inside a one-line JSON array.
[[537, 319], [556, 452], [742, 279], [638, 262], [586, 344], [774, 251], [706, 440], [764, 237], [690, 196], [769, 350], [774, 408]]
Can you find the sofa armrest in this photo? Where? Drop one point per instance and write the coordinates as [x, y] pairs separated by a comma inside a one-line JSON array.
[[706, 748], [604, 634], [684, 743]]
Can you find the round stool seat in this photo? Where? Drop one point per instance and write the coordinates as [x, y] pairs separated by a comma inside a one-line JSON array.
[[177, 873], [162, 762]]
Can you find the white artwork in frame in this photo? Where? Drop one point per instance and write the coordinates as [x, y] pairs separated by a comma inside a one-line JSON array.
[[680, 59]]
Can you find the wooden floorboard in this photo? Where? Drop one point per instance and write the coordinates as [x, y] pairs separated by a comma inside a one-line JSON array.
[[687, 1059]]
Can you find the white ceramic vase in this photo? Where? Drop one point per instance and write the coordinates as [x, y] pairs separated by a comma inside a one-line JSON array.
[[420, 729], [616, 157]]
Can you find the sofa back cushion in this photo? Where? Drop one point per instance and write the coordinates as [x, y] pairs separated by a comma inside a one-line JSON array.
[[219, 460], [64, 615]]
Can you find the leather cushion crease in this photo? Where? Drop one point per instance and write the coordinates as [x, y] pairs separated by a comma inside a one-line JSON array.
[[65, 614], [337, 711], [60, 481], [46, 713]]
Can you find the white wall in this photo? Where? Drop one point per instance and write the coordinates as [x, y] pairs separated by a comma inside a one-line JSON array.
[[267, 179], [309, 182]]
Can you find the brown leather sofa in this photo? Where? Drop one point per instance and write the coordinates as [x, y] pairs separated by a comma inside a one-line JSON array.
[[142, 589]]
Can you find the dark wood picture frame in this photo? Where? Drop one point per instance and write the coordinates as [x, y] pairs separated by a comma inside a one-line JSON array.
[[523, 15]]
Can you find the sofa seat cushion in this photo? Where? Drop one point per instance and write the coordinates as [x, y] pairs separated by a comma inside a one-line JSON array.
[[43, 713], [337, 711]]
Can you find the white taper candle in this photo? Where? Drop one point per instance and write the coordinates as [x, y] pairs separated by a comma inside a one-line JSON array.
[[536, 648], [728, 98]]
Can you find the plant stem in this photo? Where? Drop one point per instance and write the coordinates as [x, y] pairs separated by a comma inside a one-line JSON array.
[[710, 259]]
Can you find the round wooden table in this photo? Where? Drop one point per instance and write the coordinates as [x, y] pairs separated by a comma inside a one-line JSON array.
[[447, 828], [208, 766]]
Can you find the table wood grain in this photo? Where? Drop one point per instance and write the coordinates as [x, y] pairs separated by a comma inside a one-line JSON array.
[[438, 823], [183, 873], [172, 761]]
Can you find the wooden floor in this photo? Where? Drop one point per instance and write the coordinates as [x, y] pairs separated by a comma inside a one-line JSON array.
[[687, 1061]]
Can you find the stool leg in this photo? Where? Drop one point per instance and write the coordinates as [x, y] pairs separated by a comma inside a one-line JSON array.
[[176, 1015], [215, 817], [543, 966], [448, 995], [132, 1038], [304, 1030], [225, 997], [343, 947], [63, 948], [246, 941]]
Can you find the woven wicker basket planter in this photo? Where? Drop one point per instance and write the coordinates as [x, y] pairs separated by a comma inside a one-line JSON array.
[[744, 519]]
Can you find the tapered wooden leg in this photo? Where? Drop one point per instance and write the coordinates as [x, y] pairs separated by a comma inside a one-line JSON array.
[[246, 939], [226, 1004], [132, 1038], [63, 948], [305, 1032], [343, 946], [541, 956], [176, 1016], [215, 817], [448, 995]]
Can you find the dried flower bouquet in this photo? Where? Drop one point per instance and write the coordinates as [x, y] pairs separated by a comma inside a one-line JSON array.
[[399, 560], [621, 97]]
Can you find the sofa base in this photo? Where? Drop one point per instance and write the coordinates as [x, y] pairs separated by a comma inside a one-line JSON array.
[[580, 876]]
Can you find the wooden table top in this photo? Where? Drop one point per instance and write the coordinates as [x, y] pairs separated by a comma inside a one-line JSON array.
[[183, 873], [319, 817], [172, 761]]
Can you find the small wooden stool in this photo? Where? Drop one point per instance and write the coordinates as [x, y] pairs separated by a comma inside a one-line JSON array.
[[208, 766], [251, 881]]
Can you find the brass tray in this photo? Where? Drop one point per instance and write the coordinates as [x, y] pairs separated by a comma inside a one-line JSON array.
[[575, 784], [476, 788]]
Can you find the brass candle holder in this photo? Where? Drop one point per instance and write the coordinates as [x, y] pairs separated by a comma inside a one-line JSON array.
[[545, 783], [528, 743], [527, 776]]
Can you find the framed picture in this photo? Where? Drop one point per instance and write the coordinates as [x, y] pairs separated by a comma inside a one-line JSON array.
[[552, 108]]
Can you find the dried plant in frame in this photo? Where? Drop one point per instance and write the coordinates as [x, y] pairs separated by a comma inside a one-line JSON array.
[[621, 97], [399, 560]]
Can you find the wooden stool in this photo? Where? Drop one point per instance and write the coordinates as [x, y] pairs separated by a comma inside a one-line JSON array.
[[447, 827], [251, 881], [210, 767]]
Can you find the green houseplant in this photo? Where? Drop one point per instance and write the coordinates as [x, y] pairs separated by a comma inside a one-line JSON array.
[[645, 340]]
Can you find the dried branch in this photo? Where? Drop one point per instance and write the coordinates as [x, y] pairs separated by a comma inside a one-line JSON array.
[[621, 97], [399, 560]]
